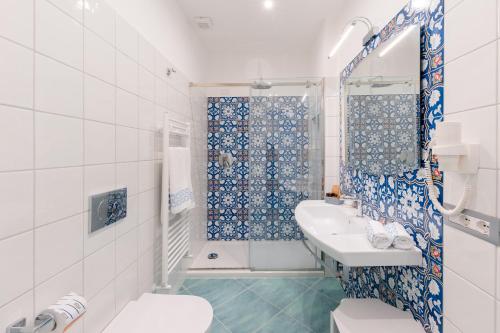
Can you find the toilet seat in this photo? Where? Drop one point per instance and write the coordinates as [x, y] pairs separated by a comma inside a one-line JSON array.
[[163, 314]]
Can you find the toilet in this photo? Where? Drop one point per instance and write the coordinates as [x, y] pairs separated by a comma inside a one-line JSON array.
[[372, 315], [162, 314]]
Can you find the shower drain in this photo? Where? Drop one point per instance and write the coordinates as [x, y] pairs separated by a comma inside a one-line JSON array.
[[213, 255]]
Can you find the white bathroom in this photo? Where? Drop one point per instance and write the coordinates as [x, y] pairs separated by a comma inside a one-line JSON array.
[[249, 166]]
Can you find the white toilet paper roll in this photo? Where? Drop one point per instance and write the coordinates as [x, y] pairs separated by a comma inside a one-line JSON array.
[[66, 311]]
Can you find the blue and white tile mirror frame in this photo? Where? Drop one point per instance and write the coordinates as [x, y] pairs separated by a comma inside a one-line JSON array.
[[404, 198]]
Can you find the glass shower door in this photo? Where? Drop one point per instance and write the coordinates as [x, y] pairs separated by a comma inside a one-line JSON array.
[[285, 161]]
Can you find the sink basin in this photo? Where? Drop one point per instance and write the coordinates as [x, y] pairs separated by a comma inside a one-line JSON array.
[[338, 232]]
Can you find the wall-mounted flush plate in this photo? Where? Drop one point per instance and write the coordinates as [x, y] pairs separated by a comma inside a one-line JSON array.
[[107, 208]]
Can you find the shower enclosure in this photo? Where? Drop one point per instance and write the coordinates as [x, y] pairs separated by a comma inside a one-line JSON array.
[[286, 167], [264, 156]]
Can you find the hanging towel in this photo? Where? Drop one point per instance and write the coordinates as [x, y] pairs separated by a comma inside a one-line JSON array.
[[377, 235], [181, 188], [402, 239]]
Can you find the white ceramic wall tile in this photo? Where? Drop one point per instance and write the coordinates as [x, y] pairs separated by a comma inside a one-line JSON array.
[[100, 18], [464, 251], [498, 278], [99, 100], [476, 67], [92, 242], [127, 106], [146, 114], [101, 310], [73, 8], [16, 139], [127, 73], [18, 24], [58, 35], [99, 143], [484, 197], [69, 280], [16, 70], [126, 283], [469, 308], [479, 126], [462, 38], [58, 87], [127, 176], [146, 84], [59, 141], [126, 250], [146, 206], [161, 65], [146, 175], [130, 222], [332, 146], [16, 255], [58, 194], [146, 145], [99, 270], [17, 215], [146, 267], [146, 236], [450, 4], [332, 126], [147, 54], [448, 327], [126, 144], [161, 92], [127, 38], [19, 308], [332, 107], [98, 179], [331, 167], [57, 246], [99, 57]]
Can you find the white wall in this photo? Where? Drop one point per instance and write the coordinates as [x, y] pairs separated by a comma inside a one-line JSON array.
[[229, 65], [471, 97], [167, 27], [81, 97]]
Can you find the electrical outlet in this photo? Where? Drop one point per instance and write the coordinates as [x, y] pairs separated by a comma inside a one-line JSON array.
[[477, 225]]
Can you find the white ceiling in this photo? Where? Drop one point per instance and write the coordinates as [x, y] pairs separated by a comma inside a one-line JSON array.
[[245, 24]]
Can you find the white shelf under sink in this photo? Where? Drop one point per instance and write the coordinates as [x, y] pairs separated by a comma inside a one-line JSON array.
[[337, 231]]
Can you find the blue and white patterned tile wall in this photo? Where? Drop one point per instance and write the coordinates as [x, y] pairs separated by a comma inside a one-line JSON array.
[[278, 166], [256, 197], [404, 198]]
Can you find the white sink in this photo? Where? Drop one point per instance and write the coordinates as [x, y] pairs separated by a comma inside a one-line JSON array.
[[337, 231]]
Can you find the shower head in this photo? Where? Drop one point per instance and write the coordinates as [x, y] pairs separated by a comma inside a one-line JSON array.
[[262, 85]]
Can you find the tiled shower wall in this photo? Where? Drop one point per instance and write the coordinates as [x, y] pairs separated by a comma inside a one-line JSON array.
[[82, 95], [471, 265]]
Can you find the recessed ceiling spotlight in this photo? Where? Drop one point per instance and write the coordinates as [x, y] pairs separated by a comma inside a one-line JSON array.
[[268, 4]]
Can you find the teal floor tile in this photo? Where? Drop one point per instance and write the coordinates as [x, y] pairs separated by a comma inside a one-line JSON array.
[[312, 310], [216, 291], [307, 281], [281, 323], [330, 287], [183, 291], [217, 327], [188, 283], [245, 313], [278, 291], [249, 282]]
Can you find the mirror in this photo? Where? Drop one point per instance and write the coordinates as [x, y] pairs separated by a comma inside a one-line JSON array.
[[381, 108]]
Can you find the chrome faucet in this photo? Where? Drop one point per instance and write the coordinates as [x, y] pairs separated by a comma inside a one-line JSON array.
[[357, 203]]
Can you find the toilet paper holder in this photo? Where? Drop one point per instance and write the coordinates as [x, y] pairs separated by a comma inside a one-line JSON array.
[[44, 323]]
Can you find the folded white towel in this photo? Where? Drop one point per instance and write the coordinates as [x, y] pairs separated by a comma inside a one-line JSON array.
[[402, 239], [377, 235], [181, 188]]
